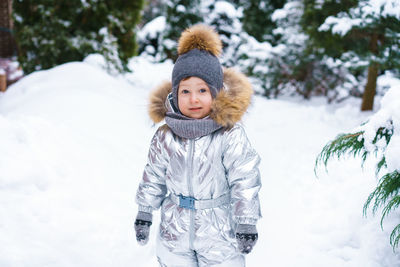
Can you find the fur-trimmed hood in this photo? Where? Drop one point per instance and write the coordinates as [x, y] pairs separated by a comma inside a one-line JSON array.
[[227, 108]]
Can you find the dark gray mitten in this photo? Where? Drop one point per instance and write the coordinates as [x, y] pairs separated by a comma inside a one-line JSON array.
[[246, 236], [142, 227]]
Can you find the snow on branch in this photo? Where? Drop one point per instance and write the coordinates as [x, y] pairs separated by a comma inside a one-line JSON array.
[[365, 14]]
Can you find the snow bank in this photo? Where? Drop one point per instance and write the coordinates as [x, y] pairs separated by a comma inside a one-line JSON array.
[[72, 141]]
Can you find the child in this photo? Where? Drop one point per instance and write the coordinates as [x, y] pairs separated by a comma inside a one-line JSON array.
[[201, 169]]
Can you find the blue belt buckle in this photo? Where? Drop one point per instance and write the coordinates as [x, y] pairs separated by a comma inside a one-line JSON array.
[[186, 202]]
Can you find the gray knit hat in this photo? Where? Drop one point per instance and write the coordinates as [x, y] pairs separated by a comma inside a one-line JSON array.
[[199, 47]]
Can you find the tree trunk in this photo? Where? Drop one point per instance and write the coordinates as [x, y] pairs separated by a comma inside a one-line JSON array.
[[370, 87], [6, 38]]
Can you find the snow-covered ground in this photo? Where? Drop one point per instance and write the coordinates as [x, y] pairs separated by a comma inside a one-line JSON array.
[[73, 144]]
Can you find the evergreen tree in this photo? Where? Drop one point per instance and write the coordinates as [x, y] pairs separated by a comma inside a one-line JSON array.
[[225, 18], [158, 38], [295, 66], [50, 33], [257, 20], [180, 15], [152, 29], [368, 30], [379, 136], [152, 9]]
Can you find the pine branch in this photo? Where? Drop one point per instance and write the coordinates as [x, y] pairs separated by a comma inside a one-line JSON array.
[[380, 164], [395, 237], [354, 145], [388, 185], [385, 132], [343, 144], [387, 191], [394, 203]]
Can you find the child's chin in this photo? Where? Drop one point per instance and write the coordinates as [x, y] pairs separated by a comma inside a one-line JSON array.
[[194, 115], [197, 116]]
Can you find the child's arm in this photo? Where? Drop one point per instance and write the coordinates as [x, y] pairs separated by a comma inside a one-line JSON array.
[[152, 188], [241, 163]]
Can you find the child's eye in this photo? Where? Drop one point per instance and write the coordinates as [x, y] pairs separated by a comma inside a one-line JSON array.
[[203, 90], [184, 91]]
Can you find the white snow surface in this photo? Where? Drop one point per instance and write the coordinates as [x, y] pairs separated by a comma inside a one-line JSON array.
[[74, 143]]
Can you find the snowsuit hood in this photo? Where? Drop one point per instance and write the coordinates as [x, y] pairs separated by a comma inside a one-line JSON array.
[[228, 106]]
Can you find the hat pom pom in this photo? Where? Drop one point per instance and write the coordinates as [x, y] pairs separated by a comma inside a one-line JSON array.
[[200, 37]]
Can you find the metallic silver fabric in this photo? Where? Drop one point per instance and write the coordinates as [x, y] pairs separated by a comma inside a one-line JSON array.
[[207, 167]]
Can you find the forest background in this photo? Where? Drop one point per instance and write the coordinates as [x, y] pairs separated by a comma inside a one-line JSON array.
[[330, 48]]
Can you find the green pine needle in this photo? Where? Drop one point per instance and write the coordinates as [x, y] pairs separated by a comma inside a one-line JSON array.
[[395, 236], [388, 186], [380, 164], [343, 144]]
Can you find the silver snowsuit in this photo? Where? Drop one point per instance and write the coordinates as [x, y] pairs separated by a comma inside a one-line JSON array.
[[205, 168]]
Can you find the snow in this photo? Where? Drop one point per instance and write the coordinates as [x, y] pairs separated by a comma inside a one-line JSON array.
[[181, 8], [340, 26], [153, 28], [227, 8], [388, 117], [279, 14], [74, 142]]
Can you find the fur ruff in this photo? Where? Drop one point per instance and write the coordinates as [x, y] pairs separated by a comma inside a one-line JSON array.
[[201, 37], [156, 108], [227, 108]]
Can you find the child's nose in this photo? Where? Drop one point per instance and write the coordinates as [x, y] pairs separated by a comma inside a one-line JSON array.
[[194, 97]]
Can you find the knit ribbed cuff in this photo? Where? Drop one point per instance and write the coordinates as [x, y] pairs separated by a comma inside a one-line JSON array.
[[147, 209], [144, 216], [246, 220], [246, 229]]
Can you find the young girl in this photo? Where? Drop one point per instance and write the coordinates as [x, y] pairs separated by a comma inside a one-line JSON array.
[[201, 170]]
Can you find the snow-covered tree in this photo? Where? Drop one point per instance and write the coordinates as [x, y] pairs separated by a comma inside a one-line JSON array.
[[369, 31], [379, 136], [165, 20], [180, 14], [257, 20], [49, 33], [152, 9], [224, 16], [295, 66], [158, 38]]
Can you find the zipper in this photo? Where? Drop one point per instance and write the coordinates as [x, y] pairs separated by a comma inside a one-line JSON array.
[[191, 194]]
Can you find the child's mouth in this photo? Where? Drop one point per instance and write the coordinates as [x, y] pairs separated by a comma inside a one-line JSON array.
[[194, 109]]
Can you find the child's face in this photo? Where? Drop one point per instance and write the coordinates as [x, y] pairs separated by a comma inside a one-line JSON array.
[[194, 98]]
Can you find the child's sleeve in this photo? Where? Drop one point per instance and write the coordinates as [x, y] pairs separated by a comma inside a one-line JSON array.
[[241, 166], [152, 188]]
